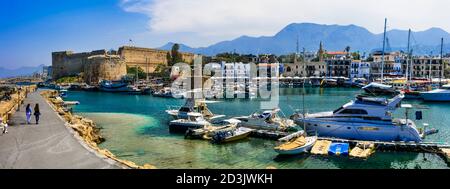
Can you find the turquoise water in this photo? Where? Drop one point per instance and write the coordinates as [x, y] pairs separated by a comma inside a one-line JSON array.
[[136, 129]]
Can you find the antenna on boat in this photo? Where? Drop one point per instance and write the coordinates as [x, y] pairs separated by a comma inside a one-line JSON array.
[[441, 74], [384, 48], [408, 57], [303, 101]]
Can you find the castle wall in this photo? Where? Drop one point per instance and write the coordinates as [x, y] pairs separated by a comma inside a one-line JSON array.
[[148, 59], [101, 67], [67, 63]]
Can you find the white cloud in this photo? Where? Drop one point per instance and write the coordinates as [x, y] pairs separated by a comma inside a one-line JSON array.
[[226, 19]]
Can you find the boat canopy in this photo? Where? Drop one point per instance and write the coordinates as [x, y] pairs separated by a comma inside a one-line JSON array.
[[377, 85]]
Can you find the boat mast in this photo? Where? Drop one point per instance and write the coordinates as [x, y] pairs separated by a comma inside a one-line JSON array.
[[430, 75], [137, 74], [441, 68], [303, 101], [384, 48], [146, 63], [408, 57]]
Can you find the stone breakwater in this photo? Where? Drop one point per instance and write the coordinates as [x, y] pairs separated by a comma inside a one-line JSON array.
[[17, 96], [86, 129]]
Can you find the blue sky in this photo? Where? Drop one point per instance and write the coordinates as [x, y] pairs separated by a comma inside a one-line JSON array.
[[31, 29]]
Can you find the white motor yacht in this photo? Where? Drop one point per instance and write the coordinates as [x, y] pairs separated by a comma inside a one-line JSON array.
[[362, 119], [268, 120], [378, 88], [193, 121], [193, 105], [438, 95]]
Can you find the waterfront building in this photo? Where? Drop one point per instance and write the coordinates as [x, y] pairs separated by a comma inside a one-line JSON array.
[[235, 70], [304, 69], [392, 64], [426, 66], [359, 69], [269, 69], [338, 67]]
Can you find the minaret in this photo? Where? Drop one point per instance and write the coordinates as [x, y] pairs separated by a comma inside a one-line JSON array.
[[321, 52]]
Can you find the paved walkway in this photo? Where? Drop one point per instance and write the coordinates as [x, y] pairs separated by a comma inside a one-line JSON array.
[[49, 145]]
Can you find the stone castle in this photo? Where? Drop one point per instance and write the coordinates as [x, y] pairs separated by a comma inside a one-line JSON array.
[[103, 65]]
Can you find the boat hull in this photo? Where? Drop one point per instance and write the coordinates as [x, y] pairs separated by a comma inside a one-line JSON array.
[[366, 131], [436, 97], [300, 150], [175, 127], [237, 137]]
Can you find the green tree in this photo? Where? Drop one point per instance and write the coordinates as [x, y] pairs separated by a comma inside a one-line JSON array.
[[169, 58], [356, 56], [347, 49], [176, 56], [447, 73], [272, 59], [162, 71], [131, 70]]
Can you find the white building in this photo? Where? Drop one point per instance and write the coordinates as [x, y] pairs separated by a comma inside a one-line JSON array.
[[268, 70], [360, 69], [235, 70]]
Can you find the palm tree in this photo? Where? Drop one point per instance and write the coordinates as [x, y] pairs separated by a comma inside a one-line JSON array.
[[347, 49]]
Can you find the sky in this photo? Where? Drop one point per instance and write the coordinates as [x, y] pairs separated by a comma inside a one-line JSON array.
[[31, 30]]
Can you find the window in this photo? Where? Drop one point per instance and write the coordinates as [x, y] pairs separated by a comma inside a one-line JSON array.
[[354, 111]]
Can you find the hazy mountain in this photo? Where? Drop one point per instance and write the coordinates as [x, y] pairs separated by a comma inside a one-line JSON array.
[[23, 71], [334, 38]]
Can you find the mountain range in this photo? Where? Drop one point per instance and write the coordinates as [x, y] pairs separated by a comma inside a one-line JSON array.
[[334, 38], [23, 71]]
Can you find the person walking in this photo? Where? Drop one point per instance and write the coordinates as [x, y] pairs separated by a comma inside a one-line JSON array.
[[37, 113], [28, 113], [4, 125]]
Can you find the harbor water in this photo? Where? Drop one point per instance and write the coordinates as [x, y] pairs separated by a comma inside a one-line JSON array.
[[136, 129]]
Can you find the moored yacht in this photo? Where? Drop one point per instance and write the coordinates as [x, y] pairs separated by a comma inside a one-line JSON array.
[[116, 86], [362, 119], [193, 121], [438, 95], [378, 88], [193, 105], [267, 120]]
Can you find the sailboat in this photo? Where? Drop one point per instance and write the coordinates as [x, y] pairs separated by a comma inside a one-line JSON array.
[[410, 91], [380, 88], [438, 95]]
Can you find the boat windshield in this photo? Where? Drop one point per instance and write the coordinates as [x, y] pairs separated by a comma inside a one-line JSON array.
[[338, 110], [185, 109]]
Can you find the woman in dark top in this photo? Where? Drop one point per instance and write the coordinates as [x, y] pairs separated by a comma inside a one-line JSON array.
[[37, 113]]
